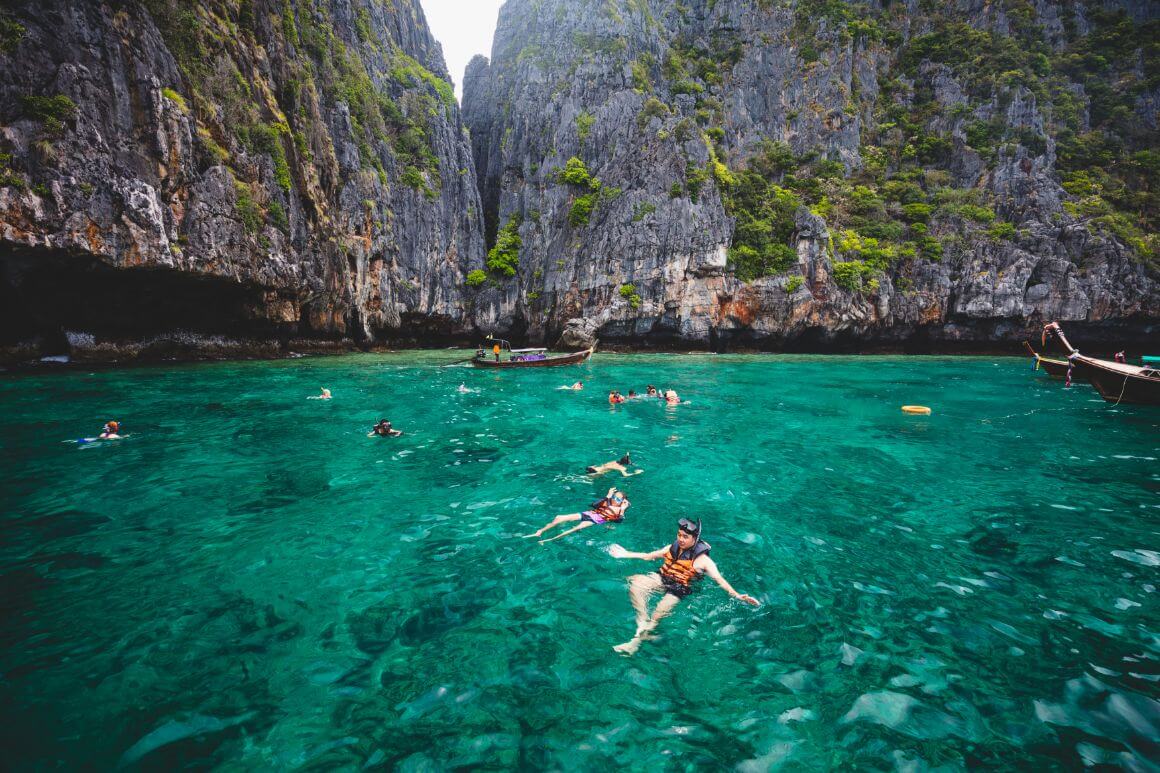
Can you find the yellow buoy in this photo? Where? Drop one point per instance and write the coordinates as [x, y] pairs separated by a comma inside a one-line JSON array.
[[919, 409]]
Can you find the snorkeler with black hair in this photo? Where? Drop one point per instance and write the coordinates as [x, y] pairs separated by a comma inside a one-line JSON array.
[[685, 562], [384, 429], [619, 464]]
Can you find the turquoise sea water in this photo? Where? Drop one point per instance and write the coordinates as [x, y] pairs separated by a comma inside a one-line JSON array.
[[248, 581]]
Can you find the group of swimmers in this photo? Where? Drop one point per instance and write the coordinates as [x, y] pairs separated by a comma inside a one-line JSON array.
[[667, 395], [684, 562]]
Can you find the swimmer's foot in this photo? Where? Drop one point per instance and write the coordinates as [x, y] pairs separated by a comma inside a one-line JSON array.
[[628, 648], [532, 535]]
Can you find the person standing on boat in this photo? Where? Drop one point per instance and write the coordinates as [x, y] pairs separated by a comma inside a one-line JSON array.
[[608, 510], [495, 351], [685, 562]]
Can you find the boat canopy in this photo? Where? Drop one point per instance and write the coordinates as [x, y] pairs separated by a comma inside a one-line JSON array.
[[507, 345]]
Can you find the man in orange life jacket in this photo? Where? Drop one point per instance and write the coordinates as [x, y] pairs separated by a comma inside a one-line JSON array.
[[684, 563]]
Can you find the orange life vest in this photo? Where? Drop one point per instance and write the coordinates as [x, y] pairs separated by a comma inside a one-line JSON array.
[[609, 511], [678, 566]]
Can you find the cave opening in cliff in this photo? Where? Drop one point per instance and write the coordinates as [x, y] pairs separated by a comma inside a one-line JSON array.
[[45, 294]]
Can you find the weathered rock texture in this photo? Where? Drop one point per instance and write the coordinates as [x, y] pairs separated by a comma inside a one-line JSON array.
[[880, 174], [263, 170]]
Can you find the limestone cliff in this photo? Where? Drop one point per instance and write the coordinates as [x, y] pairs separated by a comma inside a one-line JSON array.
[[816, 173], [230, 173]]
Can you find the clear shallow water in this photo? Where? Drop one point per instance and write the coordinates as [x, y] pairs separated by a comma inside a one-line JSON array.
[[249, 581]]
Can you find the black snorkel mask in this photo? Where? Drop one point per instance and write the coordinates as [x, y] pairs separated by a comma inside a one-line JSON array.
[[690, 528]]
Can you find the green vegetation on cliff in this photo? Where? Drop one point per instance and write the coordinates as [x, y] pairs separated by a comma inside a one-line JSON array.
[[909, 197], [278, 113], [504, 257]]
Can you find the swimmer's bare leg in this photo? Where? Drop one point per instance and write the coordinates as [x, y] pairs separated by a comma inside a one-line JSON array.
[[663, 608], [584, 525], [559, 519], [640, 588]]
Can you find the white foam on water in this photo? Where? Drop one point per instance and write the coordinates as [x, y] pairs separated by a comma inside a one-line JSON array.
[[1139, 556]]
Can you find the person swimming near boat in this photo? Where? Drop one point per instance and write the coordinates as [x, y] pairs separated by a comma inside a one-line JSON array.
[[324, 395], [650, 391], [384, 429], [671, 397], [620, 465], [111, 431], [632, 395], [685, 562], [575, 387], [615, 397], [463, 389], [610, 509]]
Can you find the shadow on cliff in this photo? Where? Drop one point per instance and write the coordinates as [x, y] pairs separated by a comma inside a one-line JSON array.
[[50, 296]]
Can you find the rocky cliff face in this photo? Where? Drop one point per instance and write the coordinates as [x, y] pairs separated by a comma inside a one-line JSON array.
[[814, 174], [229, 170]]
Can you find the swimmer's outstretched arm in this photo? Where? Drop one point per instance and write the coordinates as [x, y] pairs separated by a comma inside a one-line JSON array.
[[707, 565], [616, 551], [628, 474]]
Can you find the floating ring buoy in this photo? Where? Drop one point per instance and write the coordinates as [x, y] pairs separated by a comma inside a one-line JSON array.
[[919, 409]]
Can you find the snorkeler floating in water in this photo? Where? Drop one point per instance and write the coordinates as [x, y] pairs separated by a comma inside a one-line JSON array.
[[619, 464], [383, 429], [615, 397], [324, 395], [463, 389], [685, 561], [111, 431], [608, 510], [575, 387]]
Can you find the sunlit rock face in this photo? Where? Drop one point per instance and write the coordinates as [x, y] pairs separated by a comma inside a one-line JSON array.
[[810, 175], [295, 170]]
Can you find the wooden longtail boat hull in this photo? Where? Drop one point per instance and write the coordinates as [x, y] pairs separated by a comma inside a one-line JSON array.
[[1119, 383], [547, 362], [1053, 368]]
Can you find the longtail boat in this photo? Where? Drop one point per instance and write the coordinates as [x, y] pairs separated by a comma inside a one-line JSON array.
[[1051, 366], [524, 358], [1117, 382]]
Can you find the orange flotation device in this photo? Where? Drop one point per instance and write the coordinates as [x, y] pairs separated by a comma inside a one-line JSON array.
[[920, 410]]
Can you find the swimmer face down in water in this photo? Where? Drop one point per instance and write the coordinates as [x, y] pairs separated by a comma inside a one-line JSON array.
[[621, 465]]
